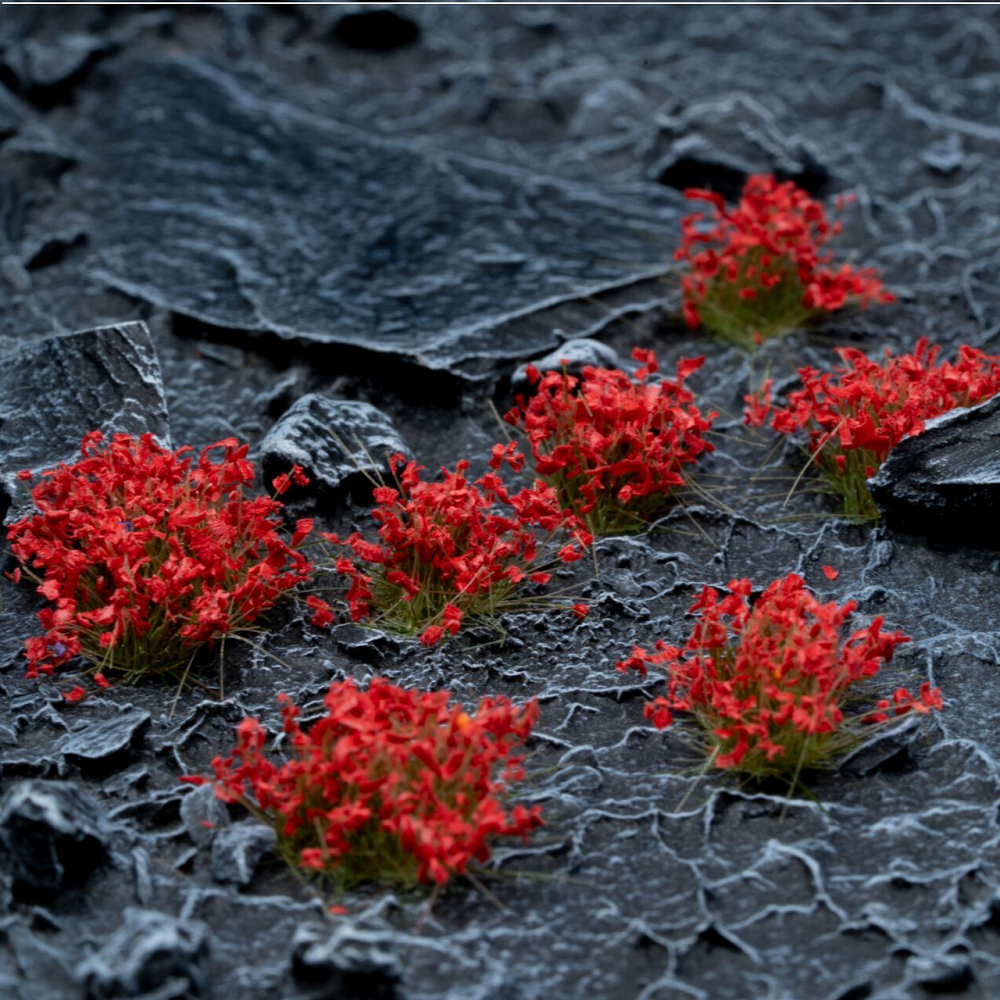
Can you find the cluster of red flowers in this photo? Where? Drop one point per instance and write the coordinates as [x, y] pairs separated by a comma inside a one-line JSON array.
[[759, 269], [390, 783], [453, 549], [614, 447], [768, 680], [147, 553], [856, 414]]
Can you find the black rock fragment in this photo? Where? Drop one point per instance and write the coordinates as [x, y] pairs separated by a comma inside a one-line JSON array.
[[338, 442], [152, 955], [237, 850], [946, 481], [352, 963], [99, 747], [51, 834], [54, 391]]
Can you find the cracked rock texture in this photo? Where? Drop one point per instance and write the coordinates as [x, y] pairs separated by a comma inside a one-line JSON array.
[[398, 208]]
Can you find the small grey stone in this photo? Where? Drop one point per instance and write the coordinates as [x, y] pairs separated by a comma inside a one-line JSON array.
[[152, 955], [945, 156], [352, 962], [336, 441], [577, 353], [200, 807], [101, 745], [609, 106], [51, 833], [237, 849]]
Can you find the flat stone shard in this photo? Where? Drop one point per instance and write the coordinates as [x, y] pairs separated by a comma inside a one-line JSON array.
[[55, 390], [51, 834], [237, 850], [946, 481], [152, 955], [352, 963], [339, 442], [105, 745]]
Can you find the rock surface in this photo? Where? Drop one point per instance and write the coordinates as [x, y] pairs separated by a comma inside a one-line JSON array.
[[52, 834], [946, 481], [339, 442], [291, 212], [237, 850], [54, 391], [102, 746], [353, 963], [153, 956]]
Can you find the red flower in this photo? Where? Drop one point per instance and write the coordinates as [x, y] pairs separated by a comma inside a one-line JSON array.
[[768, 681], [830, 573], [759, 269], [74, 694], [390, 784], [322, 612], [581, 610], [858, 413], [612, 446], [146, 554]]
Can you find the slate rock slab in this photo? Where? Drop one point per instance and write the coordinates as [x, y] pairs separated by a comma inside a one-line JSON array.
[[339, 443], [946, 481], [324, 233], [152, 955], [52, 834], [104, 746], [55, 390]]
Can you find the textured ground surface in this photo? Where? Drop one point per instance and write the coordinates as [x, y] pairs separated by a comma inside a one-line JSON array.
[[292, 211]]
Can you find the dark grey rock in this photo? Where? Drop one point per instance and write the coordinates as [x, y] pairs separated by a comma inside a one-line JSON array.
[[153, 956], [54, 391], [612, 105], [52, 834], [576, 353], [946, 156], [203, 814], [946, 481], [339, 442], [237, 850], [44, 70], [351, 962], [104, 746], [706, 151]]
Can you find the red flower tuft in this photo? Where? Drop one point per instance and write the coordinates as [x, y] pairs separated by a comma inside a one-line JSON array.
[[453, 549], [768, 681], [759, 269], [389, 784], [858, 413], [146, 553], [614, 447]]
